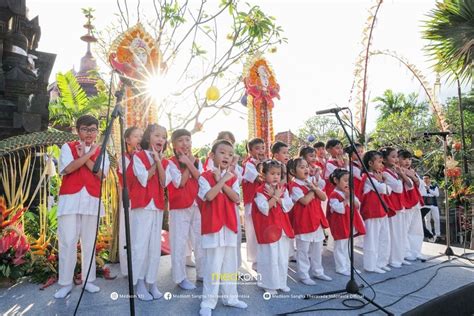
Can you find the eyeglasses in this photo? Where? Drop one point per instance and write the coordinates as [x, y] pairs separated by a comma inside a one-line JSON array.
[[91, 130]]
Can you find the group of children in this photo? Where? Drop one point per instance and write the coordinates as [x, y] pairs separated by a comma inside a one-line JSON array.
[[288, 204]]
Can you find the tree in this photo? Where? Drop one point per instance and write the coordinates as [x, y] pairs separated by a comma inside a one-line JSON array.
[[203, 45], [73, 102], [392, 102], [321, 127], [450, 31]]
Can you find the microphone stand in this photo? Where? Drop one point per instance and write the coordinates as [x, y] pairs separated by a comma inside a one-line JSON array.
[[118, 112], [352, 287], [449, 251]]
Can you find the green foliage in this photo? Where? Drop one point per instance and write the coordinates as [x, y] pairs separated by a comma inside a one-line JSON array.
[[392, 102], [256, 24], [73, 102], [454, 120], [322, 128], [450, 30]]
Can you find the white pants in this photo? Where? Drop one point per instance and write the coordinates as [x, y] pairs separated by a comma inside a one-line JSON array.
[[398, 234], [415, 233], [146, 243], [272, 264], [220, 262], [184, 223], [239, 237], [376, 243], [341, 255], [308, 258], [71, 228], [190, 245], [434, 213], [250, 236]]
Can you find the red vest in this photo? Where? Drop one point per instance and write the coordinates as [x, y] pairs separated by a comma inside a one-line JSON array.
[[306, 218], [340, 223], [220, 211], [411, 197], [140, 196], [129, 171], [249, 188], [81, 177], [329, 186], [394, 199], [370, 205], [268, 228], [182, 197], [357, 183]]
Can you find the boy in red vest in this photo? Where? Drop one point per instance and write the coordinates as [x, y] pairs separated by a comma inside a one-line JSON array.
[[250, 183], [320, 155], [336, 151], [185, 218], [219, 190], [78, 204]]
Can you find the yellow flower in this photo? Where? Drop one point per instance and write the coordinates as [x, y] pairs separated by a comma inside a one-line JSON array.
[[418, 153]]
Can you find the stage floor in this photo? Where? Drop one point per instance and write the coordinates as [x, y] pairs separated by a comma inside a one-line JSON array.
[[26, 298]]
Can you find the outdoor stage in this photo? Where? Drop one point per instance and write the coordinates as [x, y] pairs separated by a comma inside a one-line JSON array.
[[26, 298]]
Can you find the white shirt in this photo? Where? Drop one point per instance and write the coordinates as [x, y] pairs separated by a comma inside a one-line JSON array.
[[264, 207], [250, 173], [224, 237], [81, 202], [238, 169], [395, 184], [127, 163], [330, 169], [141, 173], [357, 172], [381, 187]]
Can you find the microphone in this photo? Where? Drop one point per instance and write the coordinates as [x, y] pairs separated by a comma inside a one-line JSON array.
[[332, 110]]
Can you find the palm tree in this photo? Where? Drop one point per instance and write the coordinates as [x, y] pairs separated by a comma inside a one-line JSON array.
[[73, 102], [392, 102], [450, 30]]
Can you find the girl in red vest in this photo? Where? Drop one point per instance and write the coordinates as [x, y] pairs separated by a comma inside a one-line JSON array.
[[219, 191], [272, 228], [395, 178], [308, 221], [250, 183], [339, 208], [185, 218], [412, 200], [377, 237], [133, 136], [356, 167], [336, 160], [238, 172], [78, 204], [151, 176]]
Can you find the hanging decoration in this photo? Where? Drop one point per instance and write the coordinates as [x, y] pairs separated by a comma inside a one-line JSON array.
[[261, 88]]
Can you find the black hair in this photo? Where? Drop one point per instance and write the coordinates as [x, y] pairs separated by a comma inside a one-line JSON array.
[[292, 164], [178, 133], [404, 154], [305, 150], [220, 142], [86, 120], [427, 175], [319, 145], [349, 150], [264, 167], [129, 131], [333, 143], [277, 146], [145, 143], [370, 156], [386, 151], [253, 142], [224, 134], [337, 174]]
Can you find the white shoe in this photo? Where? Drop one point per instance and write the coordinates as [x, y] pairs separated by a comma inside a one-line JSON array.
[[286, 289], [433, 240], [421, 257], [406, 263], [345, 272], [205, 311], [386, 268], [323, 277], [155, 292], [142, 291], [395, 265], [308, 282], [271, 292], [410, 258], [238, 304], [187, 285], [63, 291], [91, 288]]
